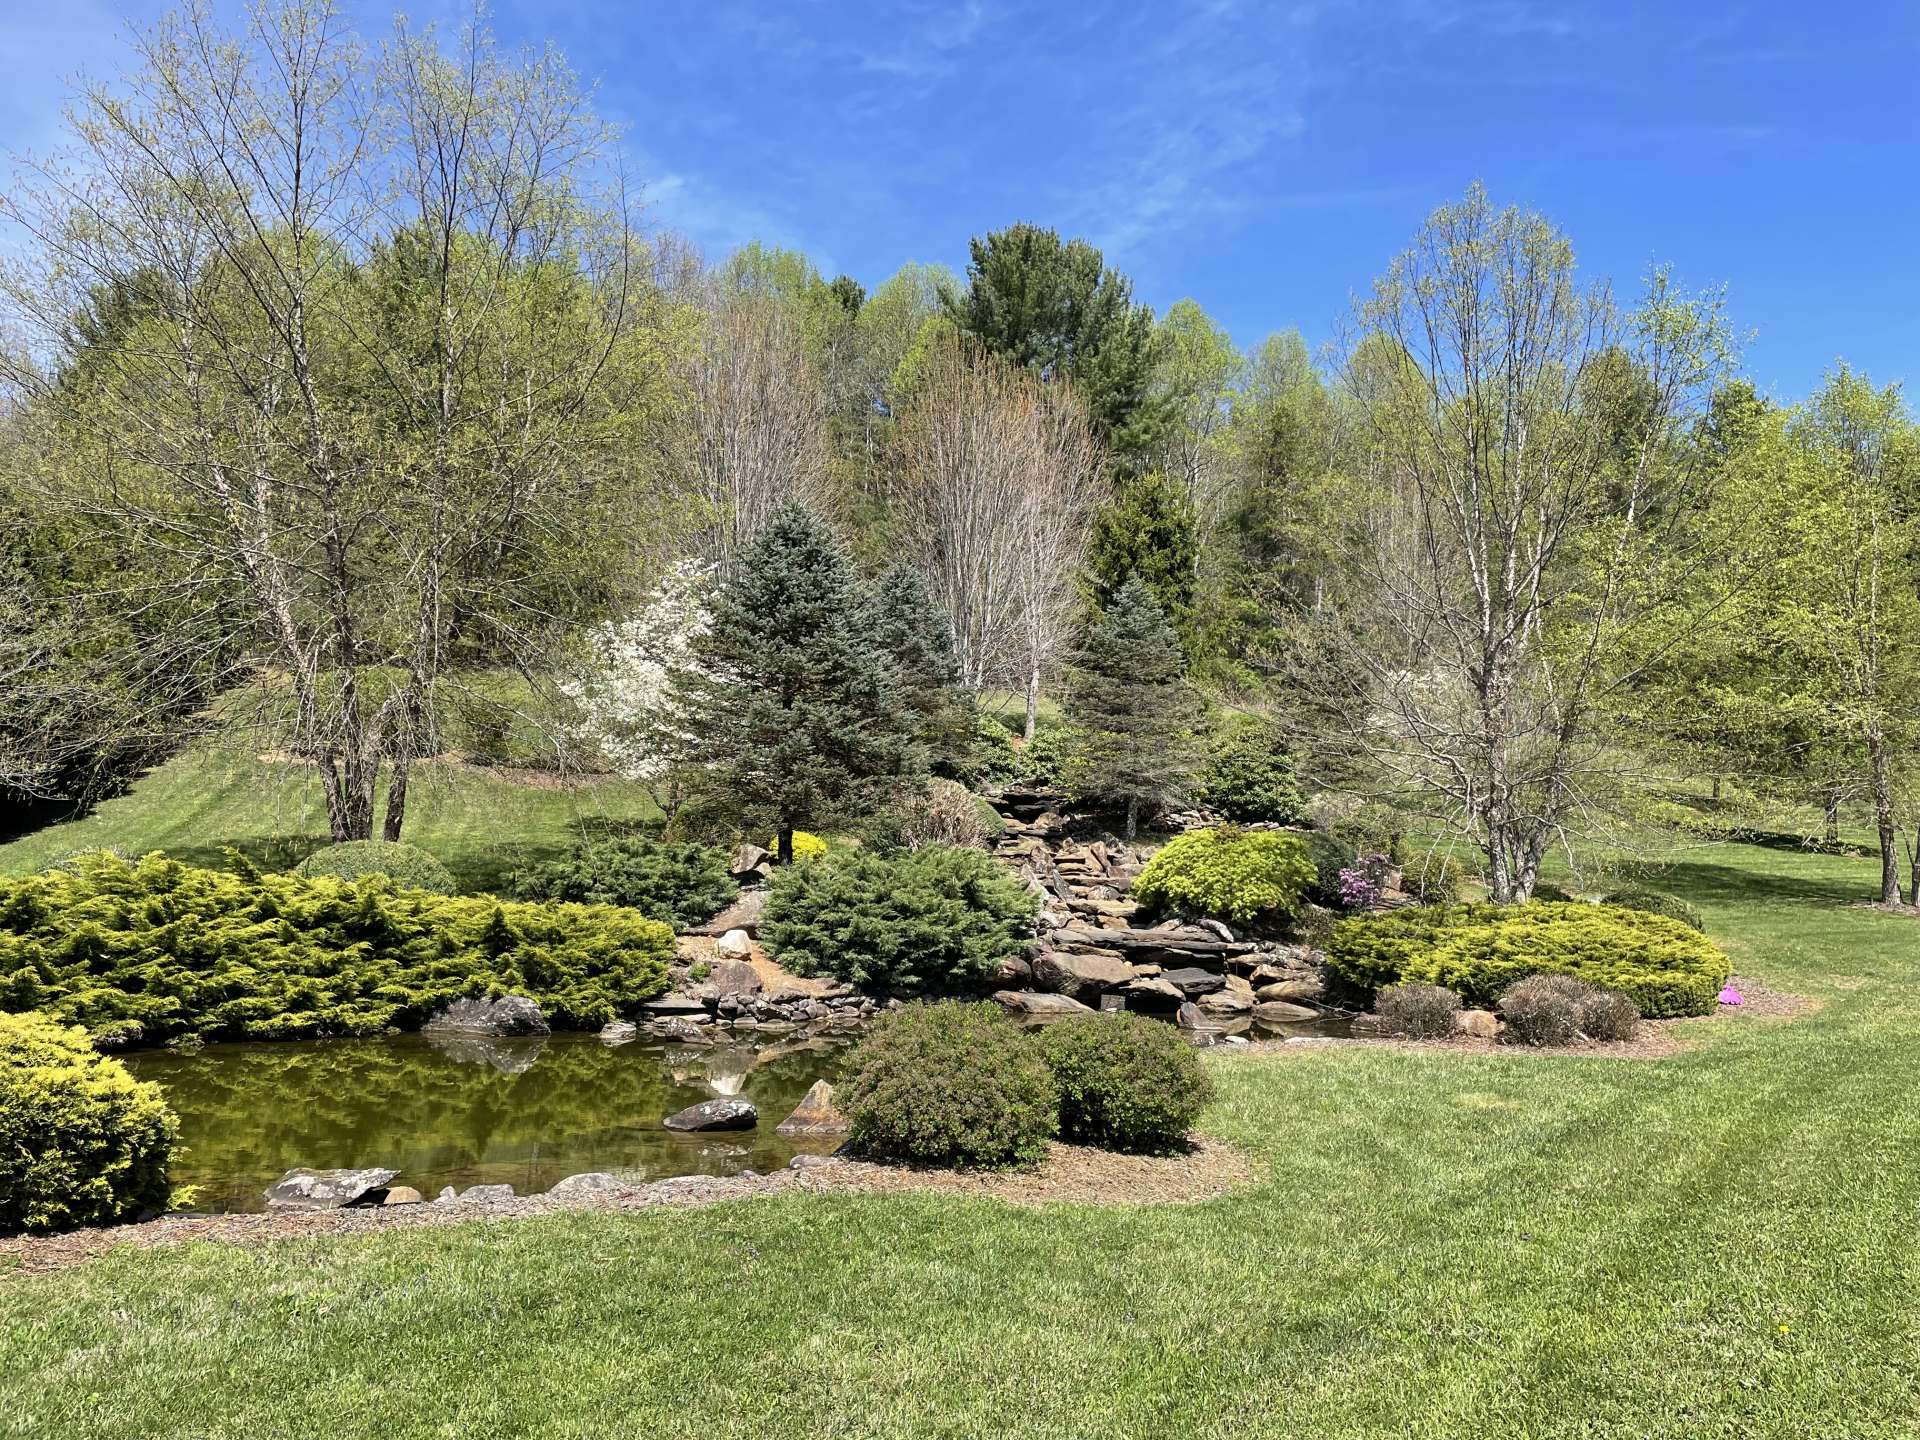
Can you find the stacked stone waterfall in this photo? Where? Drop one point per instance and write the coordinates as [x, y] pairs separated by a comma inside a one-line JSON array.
[[1100, 950]]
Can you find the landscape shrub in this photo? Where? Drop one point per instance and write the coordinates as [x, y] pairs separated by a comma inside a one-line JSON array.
[[947, 813], [81, 1141], [179, 951], [1552, 893], [1043, 760], [1559, 1009], [680, 884], [1364, 882], [1656, 902], [408, 866], [1418, 1011], [991, 758], [1125, 1082], [1433, 879], [937, 921], [1250, 777], [951, 1083], [1229, 873], [1664, 967], [1329, 858], [806, 846]]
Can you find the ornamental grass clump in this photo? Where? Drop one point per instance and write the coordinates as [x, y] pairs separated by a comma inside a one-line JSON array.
[[682, 885], [1126, 1082], [81, 1141], [1228, 874], [1417, 1011], [951, 1084], [1664, 966]]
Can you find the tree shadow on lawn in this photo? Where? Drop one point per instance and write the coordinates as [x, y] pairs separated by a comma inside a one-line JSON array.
[[1727, 884]]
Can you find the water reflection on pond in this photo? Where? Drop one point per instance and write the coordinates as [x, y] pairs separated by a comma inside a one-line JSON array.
[[473, 1110]]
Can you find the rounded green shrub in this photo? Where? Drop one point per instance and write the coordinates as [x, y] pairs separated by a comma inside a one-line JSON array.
[[1420, 1012], [1125, 1082], [81, 1141], [408, 866], [178, 951], [682, 884], [1043, 759], [1250, 777], [1656, 902], [1329, 857], [937, 921], [953, 1084], [1663, 966], [1433, 879], [1229, 873]]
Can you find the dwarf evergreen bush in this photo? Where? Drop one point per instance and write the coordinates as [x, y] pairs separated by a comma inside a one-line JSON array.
[[680, 884], [81, 1141], [1250, 776], [1656, 902], [180, 951], [1229, 873], [1663, 966], [409, 867], [1126, 1082], [936, 921], [952, 1083]]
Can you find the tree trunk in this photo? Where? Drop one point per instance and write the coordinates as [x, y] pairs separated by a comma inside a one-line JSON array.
[[1033, 702], [1716, 787], [784, 851], [1833, 815], [1881, 774], [396, 800], [1133, 817]]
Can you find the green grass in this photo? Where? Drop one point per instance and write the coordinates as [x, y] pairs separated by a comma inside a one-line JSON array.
[[202, 801], [1718, 1244]]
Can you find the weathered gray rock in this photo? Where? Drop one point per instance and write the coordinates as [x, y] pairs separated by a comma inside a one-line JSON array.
[[683, 1029], [484, 1194], [734, 945], [1190, 1017], [1194, 982], [743, 914], [1012, 973], [750, 862], [1084, 977], [1153, 994], [732, 1113], [619, 1032], [508, 1015], [305, 1189], [814, 1115], [401, 1195], [1226, 1001], [1478, 1024], [676, 1002], [1033, 1002], [593, 1182], [812, 1162], [1296, 991], [736, 978], [1282, 1012]]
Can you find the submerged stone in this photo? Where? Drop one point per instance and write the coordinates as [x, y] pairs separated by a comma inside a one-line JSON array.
[[732, 1113]]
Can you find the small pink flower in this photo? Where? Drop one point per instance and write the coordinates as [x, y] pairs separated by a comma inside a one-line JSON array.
[[1731, 996]]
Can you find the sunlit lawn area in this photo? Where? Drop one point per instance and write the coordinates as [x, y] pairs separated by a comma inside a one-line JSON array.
[[1717, 1244]]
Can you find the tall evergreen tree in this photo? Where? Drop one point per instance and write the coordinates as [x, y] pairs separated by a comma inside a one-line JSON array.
[[789, 711], [1138, 718], [1150, 531], [911, 629]]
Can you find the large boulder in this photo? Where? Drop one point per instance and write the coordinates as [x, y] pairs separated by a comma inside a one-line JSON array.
[[736, 977], [734, 945], [732, 1113], [814, 1115], [1153, 994], [1084, 977], [678, 1002], [1194, 982], [1298, 991], [1226, 1001], [1477, 1024], [1032, 1002], [508, 1015], [750, 863], [305, 1189], [1282, 1012]]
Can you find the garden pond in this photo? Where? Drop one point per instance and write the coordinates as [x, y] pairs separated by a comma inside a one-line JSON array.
[[474, 1110]]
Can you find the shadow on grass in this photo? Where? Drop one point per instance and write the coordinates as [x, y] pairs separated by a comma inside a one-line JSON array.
[[1725, 884]]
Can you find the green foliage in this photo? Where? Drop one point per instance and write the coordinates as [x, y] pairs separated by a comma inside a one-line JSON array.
[[1418, 1011], [806, 846], [183, 952], [936, 921], [1125, 1082], [1250, 776], [81, 1141], [408, 866], [1045, 759], [1149, 530], [1547, 891], [911, 629], [1136, 715], [1433, 879], [1329, 858], [1229, 873], [680, 884], [1656, 902], [790, 711], [1661, 965], [949, 1084]]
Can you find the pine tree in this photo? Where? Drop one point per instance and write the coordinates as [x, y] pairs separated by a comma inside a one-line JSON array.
[[1149, 530], [789, 710], [1138, 718], [912, 630]]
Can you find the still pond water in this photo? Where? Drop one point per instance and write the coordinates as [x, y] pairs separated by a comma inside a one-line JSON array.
[[471, 1111]]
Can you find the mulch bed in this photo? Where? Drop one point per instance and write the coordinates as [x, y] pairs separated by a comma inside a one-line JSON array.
[[1072, 1174]]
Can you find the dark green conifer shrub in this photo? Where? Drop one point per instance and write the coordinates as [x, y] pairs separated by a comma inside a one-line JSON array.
[[1126, 1082], [81, 1141], [1250, 777], [682, 885], [1655, 902], [955, 1084]]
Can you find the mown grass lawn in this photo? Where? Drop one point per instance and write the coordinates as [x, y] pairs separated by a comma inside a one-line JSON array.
[[478, 822], [1722, 1243]]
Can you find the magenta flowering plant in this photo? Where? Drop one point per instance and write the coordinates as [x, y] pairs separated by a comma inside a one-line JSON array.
[[1362, 882]]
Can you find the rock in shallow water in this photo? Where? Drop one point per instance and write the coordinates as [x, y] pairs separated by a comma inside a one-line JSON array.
[[814, 1115], [619, 1032], [733, 1113], [305, 1189], [508, 1015]]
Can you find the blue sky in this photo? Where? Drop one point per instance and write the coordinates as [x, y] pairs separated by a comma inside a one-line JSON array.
[[1265, 159]]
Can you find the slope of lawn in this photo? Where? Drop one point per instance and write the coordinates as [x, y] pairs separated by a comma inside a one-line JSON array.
[[477, 821], [1719, 1244]]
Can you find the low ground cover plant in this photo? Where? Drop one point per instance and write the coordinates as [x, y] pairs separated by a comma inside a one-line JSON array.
[[157, 950], [81, 1141], [680, 884], [1125, 1082], [409, 867], [1559, 1009], [952, 1083], [1418, 1011], [1663, 966], [936, 921], [1228, 873]]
